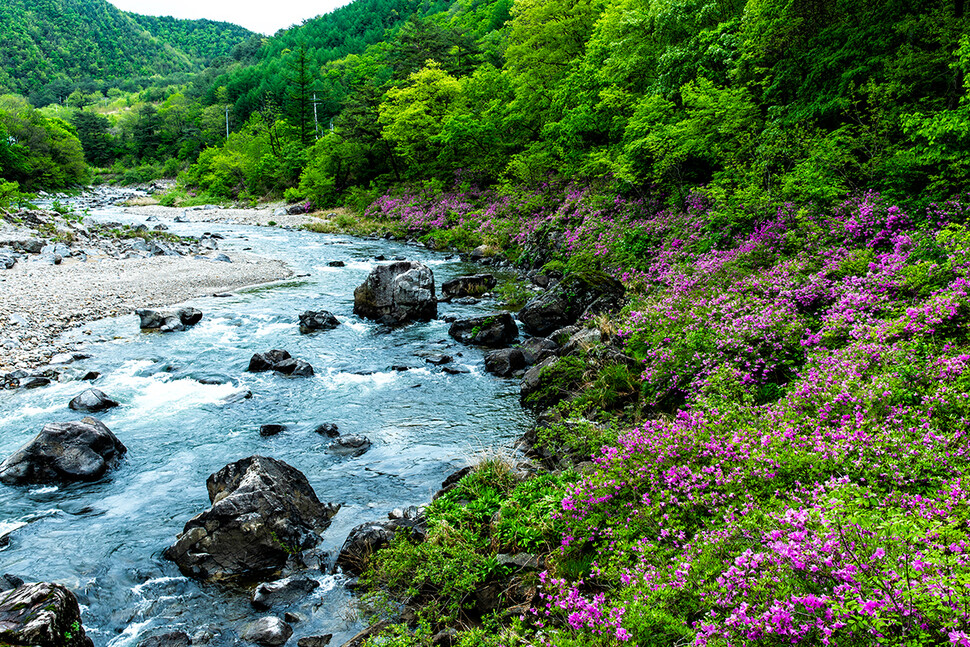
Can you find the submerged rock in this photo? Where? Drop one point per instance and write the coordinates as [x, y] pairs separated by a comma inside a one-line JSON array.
[[281, 362], [396, 293], [168, 320], [269, 631], [349, 445], [286, 590], [92, 400], [41, 615], [81, 450], [262, 511], [312, 320]]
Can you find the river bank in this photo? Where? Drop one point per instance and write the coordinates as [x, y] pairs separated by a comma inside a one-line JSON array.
[[67, 273]]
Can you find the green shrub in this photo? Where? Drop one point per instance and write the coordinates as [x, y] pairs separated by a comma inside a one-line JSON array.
[[556, 382]]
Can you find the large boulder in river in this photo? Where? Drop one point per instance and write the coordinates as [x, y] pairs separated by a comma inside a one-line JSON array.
[[281, 362], [91, 401], [168, 320], [41, 615], [398, 292], [494, 331], [312, 320], [81, 450], [474, 285], [578, 294], [263, 510]]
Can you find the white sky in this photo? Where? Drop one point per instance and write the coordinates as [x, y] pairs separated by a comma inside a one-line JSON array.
[[265, 17]]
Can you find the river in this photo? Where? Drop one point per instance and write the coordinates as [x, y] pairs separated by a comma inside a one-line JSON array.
[[105, 540]]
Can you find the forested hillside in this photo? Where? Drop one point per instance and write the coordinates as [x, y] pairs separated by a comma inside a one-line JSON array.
[[42, 41]]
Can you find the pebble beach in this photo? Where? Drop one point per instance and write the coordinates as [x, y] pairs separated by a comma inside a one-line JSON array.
[[39, 301]]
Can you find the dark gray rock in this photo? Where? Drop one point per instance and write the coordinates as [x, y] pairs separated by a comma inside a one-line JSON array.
[[161, 249], [271, 429], [336, 264], [504, 361], [7, 261], [168, 320], [530, 381], [81, 450], [468, 286], [294, 367], [349, 445], [315, 641], [328, 429], [91, 401], [170, 639], [439, 360], [495, 330], [41, 615], [287, 590], [396, 293], [34, 382], [267, 361], [577, 295], [455, 370], [9, 582], [536, 349], [269, 631], [583, 339], [312, 320], [521, 561], [367, 538], [221, 258], [263, 510], [281, 362], [29, 246]]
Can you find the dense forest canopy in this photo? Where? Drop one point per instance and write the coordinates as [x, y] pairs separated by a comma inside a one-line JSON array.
[[762, 101], [68, 42]]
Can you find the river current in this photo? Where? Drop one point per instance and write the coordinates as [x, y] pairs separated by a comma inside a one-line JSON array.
[[178, 419]]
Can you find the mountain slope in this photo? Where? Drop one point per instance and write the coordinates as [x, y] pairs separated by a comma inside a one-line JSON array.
[[45, 40]]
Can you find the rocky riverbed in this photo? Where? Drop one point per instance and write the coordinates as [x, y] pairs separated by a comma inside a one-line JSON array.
[[57, 271]]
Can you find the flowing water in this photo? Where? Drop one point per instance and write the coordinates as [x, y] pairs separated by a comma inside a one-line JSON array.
[[105, 540]]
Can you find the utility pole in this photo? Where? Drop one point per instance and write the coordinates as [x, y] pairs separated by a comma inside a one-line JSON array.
[[316, 126]]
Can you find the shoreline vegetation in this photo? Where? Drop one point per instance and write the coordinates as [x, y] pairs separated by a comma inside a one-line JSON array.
[[767, 443]]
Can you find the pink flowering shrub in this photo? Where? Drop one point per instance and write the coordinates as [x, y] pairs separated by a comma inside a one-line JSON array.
[[801, 474]]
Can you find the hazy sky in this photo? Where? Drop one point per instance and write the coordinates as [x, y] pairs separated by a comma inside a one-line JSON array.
[[263, 16]]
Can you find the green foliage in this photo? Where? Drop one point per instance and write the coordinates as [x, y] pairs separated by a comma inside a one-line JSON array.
[[556, 382], [12, 196], [35, 151], [491, 511]]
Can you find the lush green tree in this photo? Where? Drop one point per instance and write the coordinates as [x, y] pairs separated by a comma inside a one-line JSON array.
[[411, 116], [93, 130], [39, 152]]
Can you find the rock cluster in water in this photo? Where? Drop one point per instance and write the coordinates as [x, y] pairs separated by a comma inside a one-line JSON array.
[[281, 362], [168, 320]]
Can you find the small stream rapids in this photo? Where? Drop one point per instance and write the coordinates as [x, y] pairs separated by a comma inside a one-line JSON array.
[[181, 419]]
